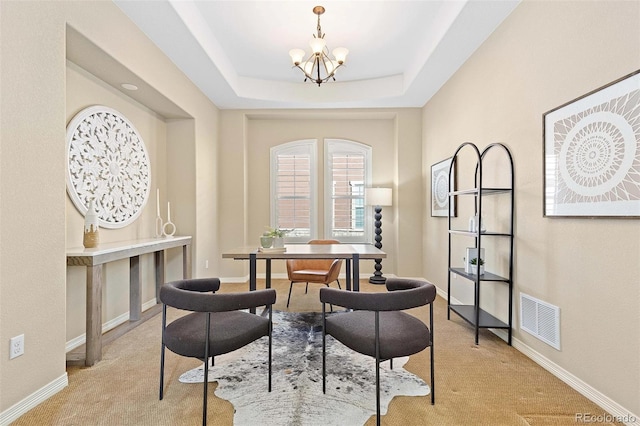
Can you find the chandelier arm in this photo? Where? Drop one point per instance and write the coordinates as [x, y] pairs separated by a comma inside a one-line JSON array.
[[303, 71]]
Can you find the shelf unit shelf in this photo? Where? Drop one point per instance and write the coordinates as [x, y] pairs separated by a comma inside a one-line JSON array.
[[474, 235], [487, 276], [472, 313], [468, 313], [485, 191]]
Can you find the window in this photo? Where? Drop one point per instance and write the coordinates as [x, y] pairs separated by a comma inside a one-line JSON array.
[[293, 177], [295, 185], [347, 173]]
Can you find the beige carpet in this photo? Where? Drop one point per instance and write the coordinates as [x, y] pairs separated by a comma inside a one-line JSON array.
[[488, 384]]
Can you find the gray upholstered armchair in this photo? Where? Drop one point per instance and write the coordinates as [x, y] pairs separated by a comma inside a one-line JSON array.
[[377, 327], [217, 324]]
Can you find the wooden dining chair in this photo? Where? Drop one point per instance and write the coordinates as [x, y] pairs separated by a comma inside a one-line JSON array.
[[320, 271]]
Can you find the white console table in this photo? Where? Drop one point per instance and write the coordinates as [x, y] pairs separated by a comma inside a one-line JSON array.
[[95, 258]]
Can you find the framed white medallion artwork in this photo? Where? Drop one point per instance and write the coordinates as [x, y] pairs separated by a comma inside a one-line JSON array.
[[592, 153], [107, 161], [440, 187]]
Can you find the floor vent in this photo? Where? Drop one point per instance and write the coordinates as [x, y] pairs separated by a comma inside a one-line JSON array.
[[540, 319]]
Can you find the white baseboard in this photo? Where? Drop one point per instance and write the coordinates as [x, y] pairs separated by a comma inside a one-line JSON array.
[[33, 400], [617, 411], [234, 280], [109, 325]]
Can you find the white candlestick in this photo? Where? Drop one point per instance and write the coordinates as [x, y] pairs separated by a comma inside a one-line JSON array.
[[168, 211], [158, 202]]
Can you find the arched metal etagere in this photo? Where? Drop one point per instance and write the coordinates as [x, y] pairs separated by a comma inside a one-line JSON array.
[[473, 314]]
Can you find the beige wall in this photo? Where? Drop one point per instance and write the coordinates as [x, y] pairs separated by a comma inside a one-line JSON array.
[[40, 93], [543, 55], [246, 138]]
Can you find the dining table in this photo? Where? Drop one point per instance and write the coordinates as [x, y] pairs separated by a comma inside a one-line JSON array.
[[351, 253]]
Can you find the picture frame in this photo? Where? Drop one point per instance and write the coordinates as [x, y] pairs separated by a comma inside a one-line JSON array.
[[592, 153], [440, 188]]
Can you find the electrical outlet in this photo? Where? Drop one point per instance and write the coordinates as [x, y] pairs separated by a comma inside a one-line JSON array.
[[17, 346], [206, 264]]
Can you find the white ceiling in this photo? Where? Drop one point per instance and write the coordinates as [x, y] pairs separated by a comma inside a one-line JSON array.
[[236, 52]]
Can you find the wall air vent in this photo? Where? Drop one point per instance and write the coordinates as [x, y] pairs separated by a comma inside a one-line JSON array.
[[540, 319]]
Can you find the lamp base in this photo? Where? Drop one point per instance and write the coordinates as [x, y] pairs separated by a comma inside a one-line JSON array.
[[378, 280]]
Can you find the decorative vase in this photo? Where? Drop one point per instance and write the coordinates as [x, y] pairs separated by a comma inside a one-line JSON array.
[[278, 242], [169, 228], [474, 269], [91, 232], [474, 223], [266, 241]]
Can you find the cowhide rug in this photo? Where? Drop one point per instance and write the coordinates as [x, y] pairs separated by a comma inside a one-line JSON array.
[[296, 396]]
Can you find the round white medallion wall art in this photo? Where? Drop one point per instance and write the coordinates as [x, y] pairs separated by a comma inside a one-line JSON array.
[[107, 161], [441, 189]]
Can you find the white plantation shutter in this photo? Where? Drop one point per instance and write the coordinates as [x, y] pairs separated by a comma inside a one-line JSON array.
[[293, 173], [348, 172]]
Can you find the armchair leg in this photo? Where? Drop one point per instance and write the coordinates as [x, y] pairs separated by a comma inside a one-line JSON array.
[[433, 396], [206, 370], [377, 331], [338, 281], [270, 340], [289, 298], [161, 372], [324, 350], [164, 324], [204, 402]]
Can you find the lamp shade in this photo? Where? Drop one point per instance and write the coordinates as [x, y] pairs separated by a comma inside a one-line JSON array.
[[340, 53], [317, 45], [296, 55], [377, 196]]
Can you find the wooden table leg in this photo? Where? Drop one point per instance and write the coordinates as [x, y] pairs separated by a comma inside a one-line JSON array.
[[135, 296], [93, 345]]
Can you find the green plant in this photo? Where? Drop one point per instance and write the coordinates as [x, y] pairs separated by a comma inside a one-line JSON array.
[[474, 261], [275, 232]]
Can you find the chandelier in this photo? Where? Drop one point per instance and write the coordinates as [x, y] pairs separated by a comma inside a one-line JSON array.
[[319, 67]]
